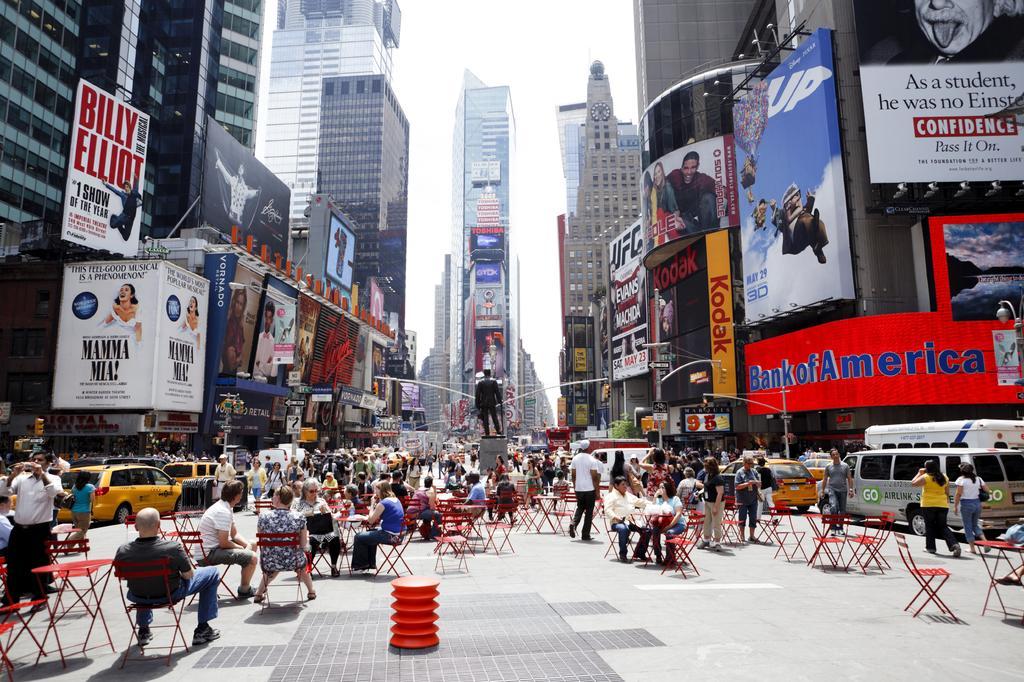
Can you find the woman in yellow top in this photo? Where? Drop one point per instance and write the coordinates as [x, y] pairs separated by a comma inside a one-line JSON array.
[[935, 506]]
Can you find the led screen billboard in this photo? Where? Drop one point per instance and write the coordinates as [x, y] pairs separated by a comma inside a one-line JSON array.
[[984, 259], [689, 192], [341, 254], [795, 234], [487, 273], [941, 87]]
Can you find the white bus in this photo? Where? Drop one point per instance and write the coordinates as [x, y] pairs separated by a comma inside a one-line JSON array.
[[977, 433]]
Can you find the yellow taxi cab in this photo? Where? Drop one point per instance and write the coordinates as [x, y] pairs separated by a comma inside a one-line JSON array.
[[398, 460], [794, 484], [816, 465], [182, 471], [123, 489]]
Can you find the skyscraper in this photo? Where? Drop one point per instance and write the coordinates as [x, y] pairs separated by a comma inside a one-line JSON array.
[[674, 37], [37, 75], [483, 142], [363, 162], [178, 64], [607, 201], [435, 366], [317, 39]]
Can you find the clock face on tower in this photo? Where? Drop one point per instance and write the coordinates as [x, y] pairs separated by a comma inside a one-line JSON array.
[[600, 112]]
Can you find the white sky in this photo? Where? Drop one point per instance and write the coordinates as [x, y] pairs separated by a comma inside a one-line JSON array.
[[541, 49]]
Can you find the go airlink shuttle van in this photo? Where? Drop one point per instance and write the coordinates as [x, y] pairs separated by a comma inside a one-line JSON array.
[[882, 483], [963, 433]]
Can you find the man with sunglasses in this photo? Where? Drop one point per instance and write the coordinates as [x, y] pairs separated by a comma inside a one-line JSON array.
[[35, 489]]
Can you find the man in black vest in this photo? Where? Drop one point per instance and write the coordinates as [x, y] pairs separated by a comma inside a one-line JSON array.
[[488, 400]]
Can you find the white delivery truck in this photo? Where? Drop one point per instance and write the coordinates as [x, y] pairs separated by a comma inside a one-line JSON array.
[[963, 433]]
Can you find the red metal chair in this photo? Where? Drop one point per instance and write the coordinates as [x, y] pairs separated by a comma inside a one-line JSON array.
[[391, 553], [678, 554], [829, 547], [321, 524], [143, 570], [4, 648], [24, 618], [867, 547], [453, 541], [192, 541], [281, 540], [55, 549], [925, 578], [732, 532], [498, 526], [260, 506]]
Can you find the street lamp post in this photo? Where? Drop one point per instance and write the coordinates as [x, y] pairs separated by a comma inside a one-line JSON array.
[[1007, 312]]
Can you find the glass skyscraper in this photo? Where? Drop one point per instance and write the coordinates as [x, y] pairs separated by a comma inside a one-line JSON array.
[[177, 62], [38, 54], [483, 142], [314, 40]]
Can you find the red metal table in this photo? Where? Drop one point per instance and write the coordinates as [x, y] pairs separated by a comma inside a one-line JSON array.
[[88, 597], [1003, 553], [546, 506]]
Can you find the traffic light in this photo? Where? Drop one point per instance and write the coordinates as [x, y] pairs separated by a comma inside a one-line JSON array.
[[606, 392], [40, 428], [376, 388], [723, 373]]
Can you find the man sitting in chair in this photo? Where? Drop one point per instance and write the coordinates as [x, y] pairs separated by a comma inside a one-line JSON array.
[[183, 581]]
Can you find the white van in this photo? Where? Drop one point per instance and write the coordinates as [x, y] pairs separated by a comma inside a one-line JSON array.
[[282, 454], [963, 433], [607, 457], [882, 482]]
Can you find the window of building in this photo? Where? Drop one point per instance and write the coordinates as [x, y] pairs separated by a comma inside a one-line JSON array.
[[360, 87], [28, 389], [42, 303], [27, 343]]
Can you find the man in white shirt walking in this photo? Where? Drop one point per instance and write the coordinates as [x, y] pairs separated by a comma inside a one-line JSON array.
[[585, 472], [35, 490]]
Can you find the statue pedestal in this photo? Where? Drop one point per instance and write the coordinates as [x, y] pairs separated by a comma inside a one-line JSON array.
[[490, 448]]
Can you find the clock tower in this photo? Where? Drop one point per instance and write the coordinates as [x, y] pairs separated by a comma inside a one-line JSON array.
[[607, 203]]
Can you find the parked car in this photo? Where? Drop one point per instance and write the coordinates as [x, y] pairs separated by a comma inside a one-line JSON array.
[[124, 489]]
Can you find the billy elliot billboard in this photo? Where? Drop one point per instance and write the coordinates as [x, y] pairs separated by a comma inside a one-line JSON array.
[[131, 336], [795, 235], [688, 192], [941, 86], [106, 170], [629, 303], [941, 357], [239, 191]]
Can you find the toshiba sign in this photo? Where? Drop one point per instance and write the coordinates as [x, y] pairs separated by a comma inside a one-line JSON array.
[[902, 359]]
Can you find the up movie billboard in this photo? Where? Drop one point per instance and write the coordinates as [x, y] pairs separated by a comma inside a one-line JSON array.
[[941, 84], [132, 336], [689, 192], [795, 234]]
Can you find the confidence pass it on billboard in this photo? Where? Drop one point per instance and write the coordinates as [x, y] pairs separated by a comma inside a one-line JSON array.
[[795, 234], [941, 86], [103, 194]]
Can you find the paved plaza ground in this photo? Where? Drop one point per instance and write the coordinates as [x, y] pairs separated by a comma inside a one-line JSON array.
[[558, 610]]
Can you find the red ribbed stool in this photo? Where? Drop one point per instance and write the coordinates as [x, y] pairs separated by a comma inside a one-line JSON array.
[[414, 612]]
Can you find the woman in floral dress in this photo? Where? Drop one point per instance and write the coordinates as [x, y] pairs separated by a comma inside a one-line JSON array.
[[273, 560]]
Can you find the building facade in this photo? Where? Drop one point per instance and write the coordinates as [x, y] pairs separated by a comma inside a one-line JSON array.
[[314, 41], [673, 38], [481, 332], [607, 200]]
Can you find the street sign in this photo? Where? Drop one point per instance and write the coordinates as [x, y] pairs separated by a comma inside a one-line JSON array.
[[295, 411], [322, 397], [295, 403], [303, 389], [294, 378], [660, 410], [293, 424], [658, 364]]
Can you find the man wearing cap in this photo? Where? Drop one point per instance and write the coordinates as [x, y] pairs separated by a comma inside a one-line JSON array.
[[224, 473], [801, 226]]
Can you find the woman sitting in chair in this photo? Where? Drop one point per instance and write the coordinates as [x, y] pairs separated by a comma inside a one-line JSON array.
[[389, 514], [273, 560], [311, 505]]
